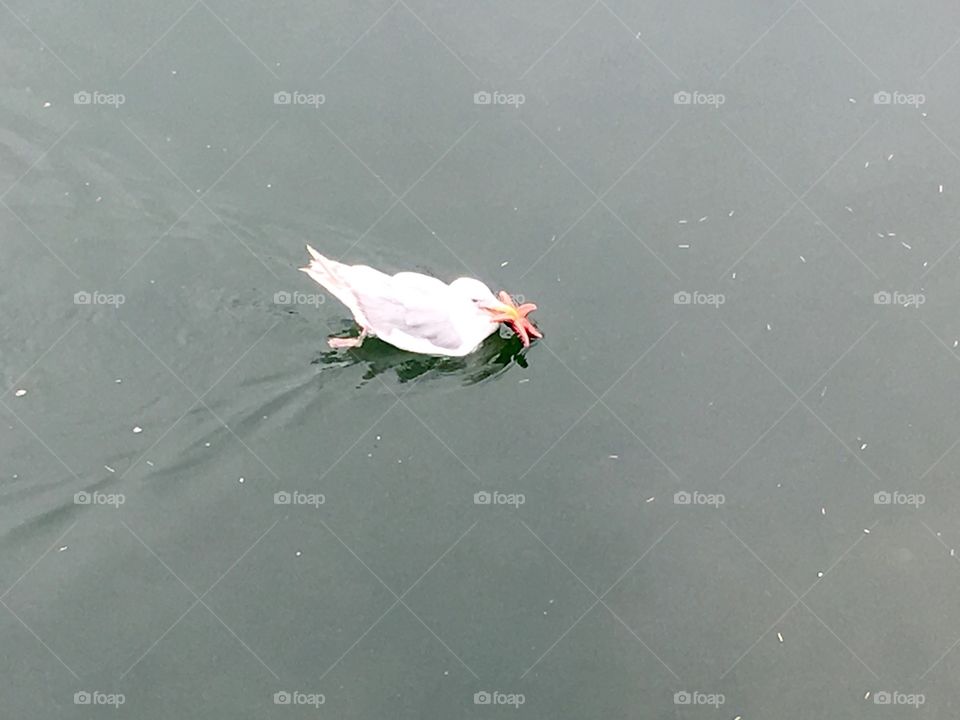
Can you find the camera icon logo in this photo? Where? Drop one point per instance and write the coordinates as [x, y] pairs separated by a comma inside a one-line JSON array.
[[682, 98], [81, 498], [482, 98], [282, 297], [482, 698], [882, 698], [482, 498], [682, 298], [682, 698], [681, 498], [282, 98], [882, 298], [882, 98], [282, 498], [882, 498], [82, 298], [81, 698], [82, 98], [282, 698]]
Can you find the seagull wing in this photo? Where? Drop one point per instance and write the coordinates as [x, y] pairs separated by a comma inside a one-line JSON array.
[[412, 305]]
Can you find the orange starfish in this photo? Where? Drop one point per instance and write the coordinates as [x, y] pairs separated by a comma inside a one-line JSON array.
[[517, 318]]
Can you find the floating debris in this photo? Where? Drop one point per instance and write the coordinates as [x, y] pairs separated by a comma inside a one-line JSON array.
[[62, 548], [867, 530], [240, 481], [149, 463], [848, 208], [851, 100], [109, 469], [863, 446], [137, 429], [779, 636], [803, 259], [684, 246], [682, 222], [768, 327], [703, 219], [525, 380], [820, 573], [613, 457], [47, 104], [941, 188], [866, 164], [730, 214], [20, 393], [118, 380], [651, 499], [905, 245], [823, 510], [504, 263], [889, 157], [298, 553]]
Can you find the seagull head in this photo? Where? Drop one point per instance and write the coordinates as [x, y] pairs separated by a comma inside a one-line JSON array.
[[500, 308]]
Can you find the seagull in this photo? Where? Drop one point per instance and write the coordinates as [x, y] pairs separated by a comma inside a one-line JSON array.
[[417, 312]]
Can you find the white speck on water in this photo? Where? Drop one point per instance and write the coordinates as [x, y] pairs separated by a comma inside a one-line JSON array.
[[734, 276], [905, 245], [107, 467], [823, 511], [866, 530], [137, 429], [682, 222], [768, 327], [62, 548], [956, 342], [891, 234], [613, 457], [889, 157], [824, 391], [240, 481], [779, 636], [820, 573], [880, 235], [173, 72], [504, 263], [848, 208], [551, 601], [863, 446], [118, 380], [298, 553], [47, 104], [684, 246], [378, 437], [149, 463], [651, 499], [866, 164], [553, 239], [730, 214], [206, 444], [952, 552], [703, 219], [941, 188], [802, 259], [20, 393], [923, 114], [269, 185], [852, 101]]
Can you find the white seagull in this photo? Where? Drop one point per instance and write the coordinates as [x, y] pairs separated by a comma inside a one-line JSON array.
[[417, 312]]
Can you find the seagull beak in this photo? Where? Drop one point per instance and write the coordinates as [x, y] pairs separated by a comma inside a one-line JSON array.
[[502, 312]]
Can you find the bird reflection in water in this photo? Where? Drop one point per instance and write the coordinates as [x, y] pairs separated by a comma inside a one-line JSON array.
[[493, 358]]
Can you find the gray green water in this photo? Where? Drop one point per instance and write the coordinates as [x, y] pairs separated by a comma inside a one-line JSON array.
[[145, 554]]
